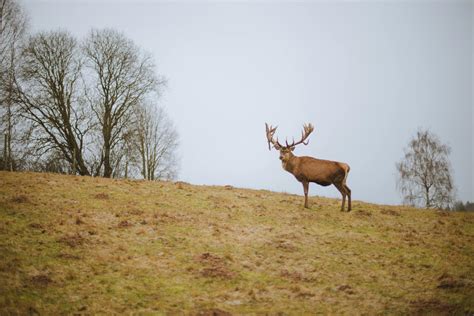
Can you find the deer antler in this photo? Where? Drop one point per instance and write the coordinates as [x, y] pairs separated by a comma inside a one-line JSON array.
[[307, 129], [270, 131]]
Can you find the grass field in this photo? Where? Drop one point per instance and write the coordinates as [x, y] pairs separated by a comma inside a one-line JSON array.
[[81, 245]]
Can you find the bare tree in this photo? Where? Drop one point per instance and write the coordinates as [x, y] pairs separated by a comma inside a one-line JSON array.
[[122, 77], [12, 28], [157, 143], [84, 119], [425, 172], [48, 93]]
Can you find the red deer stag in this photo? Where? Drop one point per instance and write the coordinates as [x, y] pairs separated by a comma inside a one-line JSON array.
[[309, 169]]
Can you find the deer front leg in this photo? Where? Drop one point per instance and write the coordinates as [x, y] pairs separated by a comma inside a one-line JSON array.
[[305, 187]]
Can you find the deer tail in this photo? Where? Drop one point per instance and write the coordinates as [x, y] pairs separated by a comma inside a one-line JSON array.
[[346, 171]]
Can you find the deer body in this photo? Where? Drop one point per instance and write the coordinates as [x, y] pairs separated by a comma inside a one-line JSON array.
[[309, 169], [322, 172]]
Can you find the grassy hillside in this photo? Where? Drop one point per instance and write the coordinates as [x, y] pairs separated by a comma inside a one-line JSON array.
[[90, 245]]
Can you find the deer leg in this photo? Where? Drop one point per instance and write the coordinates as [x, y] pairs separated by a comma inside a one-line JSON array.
[[305, 187], [348, 195], [343, 192]]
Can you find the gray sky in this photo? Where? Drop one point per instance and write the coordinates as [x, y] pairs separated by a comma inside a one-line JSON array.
[[366, 74]]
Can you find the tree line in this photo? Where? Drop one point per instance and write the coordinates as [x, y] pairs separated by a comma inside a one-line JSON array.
[[464, 207], [82, 106]]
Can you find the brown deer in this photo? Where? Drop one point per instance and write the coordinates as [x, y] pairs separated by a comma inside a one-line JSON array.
[[309, 169]]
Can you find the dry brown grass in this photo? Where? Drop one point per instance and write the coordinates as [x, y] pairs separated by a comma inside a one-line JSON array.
[[91, 245]]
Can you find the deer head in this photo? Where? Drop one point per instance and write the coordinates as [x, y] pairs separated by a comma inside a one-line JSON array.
[[286, 151]]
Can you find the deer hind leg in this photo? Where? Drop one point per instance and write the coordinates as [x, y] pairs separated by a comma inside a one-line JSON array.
[[341, 189], [348, 191], [346, 188], [305, 187]]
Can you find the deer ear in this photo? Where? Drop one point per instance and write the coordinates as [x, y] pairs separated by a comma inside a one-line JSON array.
[[292, 148]]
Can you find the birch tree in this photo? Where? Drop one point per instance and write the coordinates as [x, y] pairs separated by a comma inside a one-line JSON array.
[[425, 172], [157, 143]]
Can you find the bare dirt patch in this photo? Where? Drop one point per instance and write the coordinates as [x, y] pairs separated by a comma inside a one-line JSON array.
[[433, 306], [166, 218], [447, 281], [284, 245], [131, 212], [73, 241], [302, 292], [288, 201], [213, 312], [214, 266], [68, 256], [124, 224], [209, 258], [20, 199], [10, 265], [296, 276], [36, 226], [363, 213], [390, 212], [443, 213], [41, 280], [102, 196], [217, 272], [346, 288]]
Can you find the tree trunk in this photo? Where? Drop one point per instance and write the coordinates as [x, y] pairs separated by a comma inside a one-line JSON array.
[[142, 152], [5, 165], [126, 169], [107, 166], [427, 197], [9, 109], [74, 164], [107, 139], [79, 163], [10, 160]]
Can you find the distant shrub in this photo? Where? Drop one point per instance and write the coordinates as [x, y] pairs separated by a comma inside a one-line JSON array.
[[464, 207]]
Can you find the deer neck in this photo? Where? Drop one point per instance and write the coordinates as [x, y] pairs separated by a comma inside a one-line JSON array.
[[290, 164]]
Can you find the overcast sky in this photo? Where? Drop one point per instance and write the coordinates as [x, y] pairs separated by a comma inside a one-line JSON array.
[[366, 74]]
